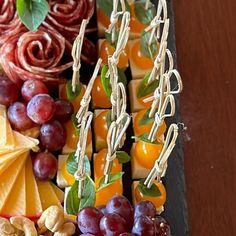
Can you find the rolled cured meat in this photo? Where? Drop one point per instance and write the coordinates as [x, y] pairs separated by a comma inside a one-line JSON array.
[[65, 16], [10, 24], [34, 55]]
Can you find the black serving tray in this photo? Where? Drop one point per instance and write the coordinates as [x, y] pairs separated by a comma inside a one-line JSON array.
[[176, 206]]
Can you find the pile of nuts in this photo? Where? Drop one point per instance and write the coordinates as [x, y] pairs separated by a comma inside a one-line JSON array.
[[51, 222]]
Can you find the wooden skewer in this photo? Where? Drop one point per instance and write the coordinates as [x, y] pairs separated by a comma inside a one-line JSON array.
[[76, 53], [160, 166]]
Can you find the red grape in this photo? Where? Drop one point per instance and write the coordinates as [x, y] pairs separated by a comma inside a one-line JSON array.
[[126, 234], [102, 208], [53, 136], [143, 226], [88, 220], [64, 110], [45, 166], [17, 115], [9, 92], [41, 108], [120, 205], [112, 224], [145, 208], [161, 227], [31, 88]]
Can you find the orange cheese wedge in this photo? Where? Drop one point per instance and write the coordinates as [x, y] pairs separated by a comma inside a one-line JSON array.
[[8, 179], [47, 195], [33, 202], [58, 192], [16, 202]]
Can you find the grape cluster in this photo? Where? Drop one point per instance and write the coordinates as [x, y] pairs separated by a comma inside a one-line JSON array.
[[119, 218], [32, 106]]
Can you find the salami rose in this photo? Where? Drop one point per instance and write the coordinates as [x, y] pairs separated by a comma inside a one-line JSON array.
[[9, 22], [34, 55], [65, 16]]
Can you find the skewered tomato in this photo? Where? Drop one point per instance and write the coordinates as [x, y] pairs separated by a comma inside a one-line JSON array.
[[104, 195], [146, 128], [99, 163], [100, 125], [76, 101], [102, 18], [157, 201], [107, 50], [139, 59], [147, 153], [135, 25], [99, 96]]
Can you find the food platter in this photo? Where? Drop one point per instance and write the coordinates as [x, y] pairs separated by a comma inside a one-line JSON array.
[[50, 142]]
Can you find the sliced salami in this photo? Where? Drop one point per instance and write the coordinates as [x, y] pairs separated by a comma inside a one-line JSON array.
[[34, 55]]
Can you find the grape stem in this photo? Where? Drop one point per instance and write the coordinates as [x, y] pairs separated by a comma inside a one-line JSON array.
[[159, 169], [80, 174], [84, 104], [115, 134], [76, 53]]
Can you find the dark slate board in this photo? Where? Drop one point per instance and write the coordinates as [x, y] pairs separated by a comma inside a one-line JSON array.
[[176, 205]]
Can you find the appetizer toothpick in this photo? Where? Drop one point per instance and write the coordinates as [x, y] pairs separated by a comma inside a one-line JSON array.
[[80, 174], [115, 17], [84, 104], [115, 134], [159, 169], [76, 52]]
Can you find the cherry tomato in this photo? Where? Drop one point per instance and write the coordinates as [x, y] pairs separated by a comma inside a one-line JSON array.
[[100, 125]]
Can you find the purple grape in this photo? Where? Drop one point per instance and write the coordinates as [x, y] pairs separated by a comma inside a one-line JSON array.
[[102, 209], [88, 220], [145, 208], [53, 136], [112, 224], [64, 110], [162, 228], [143, 226], [9, 92], [18, 118], [41, 108]]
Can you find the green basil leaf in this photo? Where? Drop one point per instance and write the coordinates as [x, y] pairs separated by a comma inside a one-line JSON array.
[[69, 92], [123, 157], [107, 6], [144, 88], [89, 194], [148, 50], [108, 38], [32, 12], [144, 138], [151, 192], [145, 120], [143, 15], [112, 178], [72, 200], [72, 165], [105, 81], [108, 118], [75, 124]]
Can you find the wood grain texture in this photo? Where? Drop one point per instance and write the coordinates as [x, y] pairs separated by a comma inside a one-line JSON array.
[[206, 49]]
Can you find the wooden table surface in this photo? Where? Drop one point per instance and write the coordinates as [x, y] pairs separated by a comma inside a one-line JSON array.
[[206, 51]]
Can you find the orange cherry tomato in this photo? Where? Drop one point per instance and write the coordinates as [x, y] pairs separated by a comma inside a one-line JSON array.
[[139, 59], [76, 102], [107, 50], [70, 179], [147, 153], [157, 201], [135, 25], [100, 98], [102, 18], [72, 137], [100, 125], [99, 163], [146, 128], [104, 195]]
